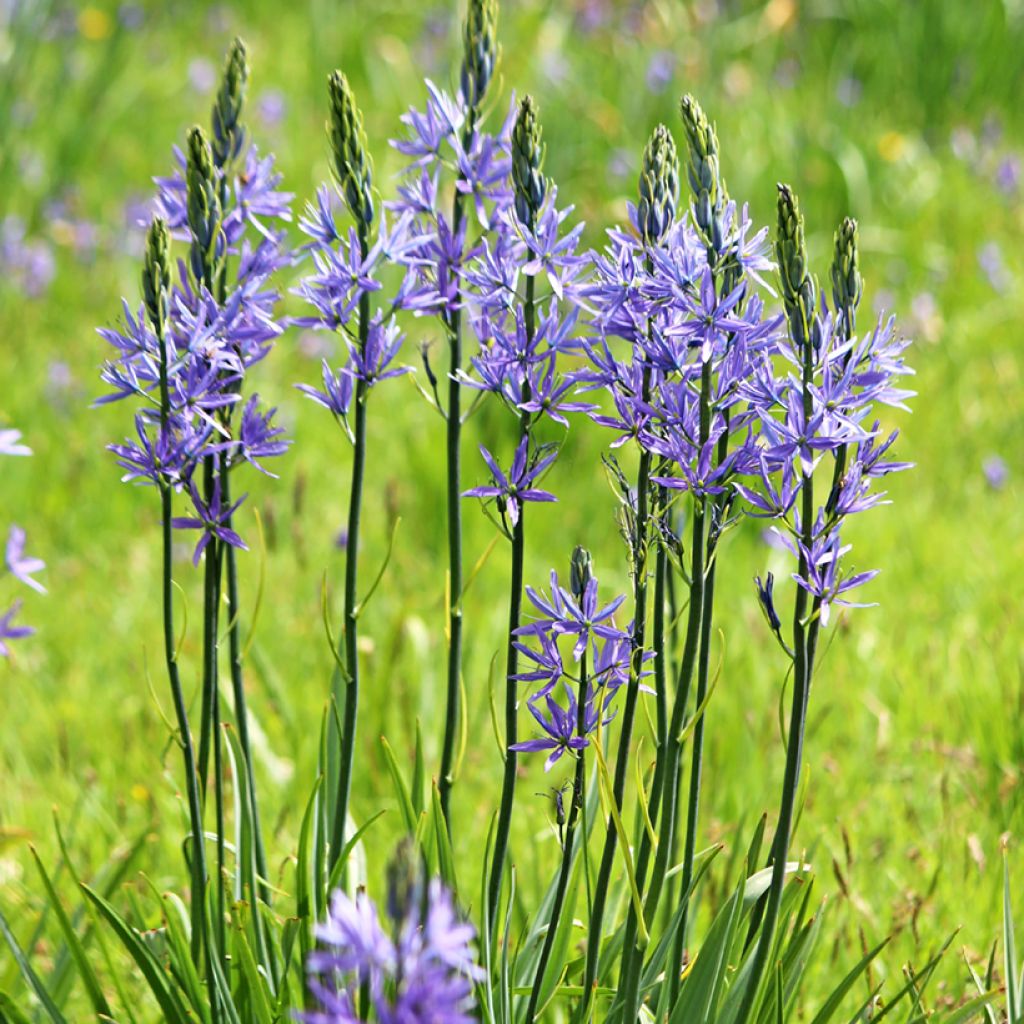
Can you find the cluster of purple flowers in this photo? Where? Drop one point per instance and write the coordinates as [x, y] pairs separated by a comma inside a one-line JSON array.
[[342, 279], [681, 325], [850, 375], [714, 389], [600, 660], [26, 262], [443, 139], [521, 330], [21, 566], [414, 965], [219, 321]]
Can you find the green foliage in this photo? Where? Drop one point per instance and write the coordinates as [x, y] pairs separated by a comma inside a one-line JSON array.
[[915, 736]]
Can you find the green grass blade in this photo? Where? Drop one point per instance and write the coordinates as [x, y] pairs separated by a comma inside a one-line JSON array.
[[445, 854], [9, 1013], [256, 989], [1013, 1008], [156, 977], [74, 944], [405, 804], [832, 1004], [179, 925], [33, 979], [699, 992]]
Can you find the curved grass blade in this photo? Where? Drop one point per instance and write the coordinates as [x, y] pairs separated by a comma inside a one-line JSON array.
[[33, 979], [152, 971], [74, 944]]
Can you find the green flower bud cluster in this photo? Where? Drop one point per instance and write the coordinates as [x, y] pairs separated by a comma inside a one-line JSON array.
[[798, 289], [350, 158], [528, 164], [659, 186], [847, 285], [710, 195], [405, 884], [156, 274], [480, 50], [581, 571], [204, 209], [228, 133]]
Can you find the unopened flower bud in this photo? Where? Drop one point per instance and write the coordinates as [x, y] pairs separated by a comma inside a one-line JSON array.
[[702, 171], [350, 159], [659, 186], [581, 571], [528, 164], [156, 274], [404, 880], [204, 212], [847, 285], [480, 50], [766, 597], [228, 133], [798, 290]]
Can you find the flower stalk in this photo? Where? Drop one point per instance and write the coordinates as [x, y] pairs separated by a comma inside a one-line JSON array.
[[480, 55], [353, 171]]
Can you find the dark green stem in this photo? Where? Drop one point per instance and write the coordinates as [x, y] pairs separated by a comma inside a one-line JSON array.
[[804, 644], [667, 773], [658, 638], [629, 714], [453, 419], [350, 651], [577, 798], [211, 598], [230, 569], [508, 785]]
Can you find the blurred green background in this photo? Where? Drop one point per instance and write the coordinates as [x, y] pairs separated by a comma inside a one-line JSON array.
[[905, 115]]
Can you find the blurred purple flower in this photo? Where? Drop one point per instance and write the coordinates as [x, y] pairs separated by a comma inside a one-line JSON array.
[[20, 565], [996, 472], [660, 70], [9, 631]]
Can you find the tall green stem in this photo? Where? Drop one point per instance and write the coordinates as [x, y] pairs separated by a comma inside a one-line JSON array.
[[453, 418], [508, 785], [351, 637], [577, 798], [230, 569], [667, 769], [641, 540], [195, 811], [804, 644]]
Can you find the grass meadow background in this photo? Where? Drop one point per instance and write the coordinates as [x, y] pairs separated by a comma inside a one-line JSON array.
[[905, 115]]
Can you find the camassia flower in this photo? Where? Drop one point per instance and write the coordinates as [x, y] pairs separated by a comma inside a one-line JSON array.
[[216, 322], [814, 392], [514, 488], [413, 965], [20, 565], [559, 726], [9, 631], [565, 612], [213, 518]]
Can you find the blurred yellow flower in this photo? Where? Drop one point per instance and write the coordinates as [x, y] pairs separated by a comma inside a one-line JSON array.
[[892, 146], [94, 24], [140, 793], [778, 14]]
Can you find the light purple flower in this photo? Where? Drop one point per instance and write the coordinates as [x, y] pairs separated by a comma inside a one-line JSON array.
[[513, 489], [20, 565], [9, 631]]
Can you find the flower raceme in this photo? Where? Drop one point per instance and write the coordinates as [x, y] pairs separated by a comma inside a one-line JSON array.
[[413, 964], [216, 326]]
